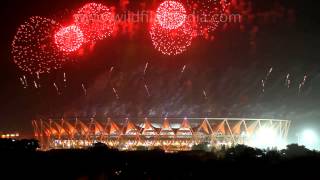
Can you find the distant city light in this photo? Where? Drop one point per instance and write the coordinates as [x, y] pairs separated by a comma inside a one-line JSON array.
[[9, 135]]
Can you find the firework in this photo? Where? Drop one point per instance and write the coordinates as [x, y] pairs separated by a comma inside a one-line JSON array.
[[116, 93], [287, 81], [25, 81], [206, 14], [22, 82], [305, 78], [65, 79], [84, 89], [110, 72], [145, 68], [95, 20], [225, 4], [35, 84], [204, 94], [171, 15], [38, 75], [263, 85], [69, 39], [33, 47], [171, 42], [269, 72], [57, 88], [147, 90], [183, 68], [303, 82]]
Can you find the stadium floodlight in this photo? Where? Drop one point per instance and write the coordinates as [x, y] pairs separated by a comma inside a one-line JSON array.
[[308, 138], [267, 137]]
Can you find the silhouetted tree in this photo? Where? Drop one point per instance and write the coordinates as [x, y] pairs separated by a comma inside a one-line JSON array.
[[273, 156], [243, 152], [19, 145], [294, 150], [142, 148], [201, 147]]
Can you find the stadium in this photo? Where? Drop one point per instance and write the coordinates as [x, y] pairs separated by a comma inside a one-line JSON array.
[[169, 134]]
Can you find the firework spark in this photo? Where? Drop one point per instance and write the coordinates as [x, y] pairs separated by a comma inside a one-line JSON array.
[[69, 39], [205, 13], [302, 83], [269, 72], [204, 94], [84, 89], [65, 79], [25, 80], [33, 48], [57, 88], [171, 15], [171, 42], [116, 93], [145, 68], [287, 81], [263, 85], [35, 84], [22, 82], [147, 90], [38, 75], [95, 20], [183, 68]]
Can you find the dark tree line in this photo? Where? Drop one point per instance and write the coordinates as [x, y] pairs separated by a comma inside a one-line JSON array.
[[22, 160]]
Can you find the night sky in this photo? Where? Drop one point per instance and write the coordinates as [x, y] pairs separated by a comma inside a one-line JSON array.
[[230, 70]]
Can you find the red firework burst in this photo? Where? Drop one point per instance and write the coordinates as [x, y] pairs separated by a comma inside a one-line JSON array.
[[69, 39], [171, 42], [33, 48], [95, 20], [171, 15], [206, 14]]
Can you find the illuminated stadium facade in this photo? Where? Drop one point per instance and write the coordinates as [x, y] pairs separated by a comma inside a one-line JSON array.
[[170, 134]]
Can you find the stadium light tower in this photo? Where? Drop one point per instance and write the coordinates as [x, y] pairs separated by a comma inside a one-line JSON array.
[[308, 138]]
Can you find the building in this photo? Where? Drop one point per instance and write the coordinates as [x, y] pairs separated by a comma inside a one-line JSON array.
[[170, 134]]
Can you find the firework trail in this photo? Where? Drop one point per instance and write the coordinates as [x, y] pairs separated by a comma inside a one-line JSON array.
[[25, 80], [269, 73], [38, 75], [300, 86], [263, 85], [288, 76], [111, 70], [147, 90], [84, 89], [35, 84], [287, 81], [183, 68], [65, 79], [57, 88], [116, 93], [22, 82], [303, 82], [204, 94], [145, 68]]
